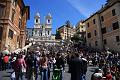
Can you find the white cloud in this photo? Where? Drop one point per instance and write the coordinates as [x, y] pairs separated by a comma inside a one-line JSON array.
[[86, 8]]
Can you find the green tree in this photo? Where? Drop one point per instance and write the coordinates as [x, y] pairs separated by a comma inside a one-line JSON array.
[[58, 36], [77, 38]]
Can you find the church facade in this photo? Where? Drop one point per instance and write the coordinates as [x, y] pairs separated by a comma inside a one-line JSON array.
[[42, 31]]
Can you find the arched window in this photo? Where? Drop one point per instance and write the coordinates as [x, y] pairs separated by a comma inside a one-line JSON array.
[[48, 32], [36, 32], [48, 20], [36, 20], [11, 33]]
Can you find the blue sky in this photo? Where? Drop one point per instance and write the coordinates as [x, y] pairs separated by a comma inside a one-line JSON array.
[[63, 10]]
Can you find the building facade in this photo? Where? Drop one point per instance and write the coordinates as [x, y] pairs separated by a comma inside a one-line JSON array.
[[81, 29], [13, 17], [73, 31], [53, 37], [66, 32], [103, 27], [29, 33], [42, 31]]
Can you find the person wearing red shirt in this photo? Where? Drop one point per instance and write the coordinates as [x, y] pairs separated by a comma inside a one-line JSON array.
[[108, 76]]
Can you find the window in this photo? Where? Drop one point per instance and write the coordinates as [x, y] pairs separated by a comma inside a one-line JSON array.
[[42, 26], [20, 23], [48, 32], [113, 12], [36, 20], [102, 18], [88, 25], [17, 38], [89, 35], [104, 41], [94, 21], [117, 39], [96, 43], [10, 35], [95, 32], [1, 32], [115, 26], [1, 11], [35, 32], [103, 30], [14, 3], [13, 14], [81, 26], [48, 21]]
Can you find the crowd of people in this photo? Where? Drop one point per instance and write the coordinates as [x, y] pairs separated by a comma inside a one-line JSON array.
[[108, 66], [40, 60]]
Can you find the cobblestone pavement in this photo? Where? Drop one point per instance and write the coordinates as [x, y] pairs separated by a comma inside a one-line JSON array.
[[5, 75]]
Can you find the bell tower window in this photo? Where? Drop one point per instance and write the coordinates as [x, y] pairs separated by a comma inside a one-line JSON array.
[[48, 32], [36, 20], [48, 21]]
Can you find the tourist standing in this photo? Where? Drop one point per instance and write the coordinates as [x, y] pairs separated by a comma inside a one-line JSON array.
[[44, 67], [76, 67], [19, 64]]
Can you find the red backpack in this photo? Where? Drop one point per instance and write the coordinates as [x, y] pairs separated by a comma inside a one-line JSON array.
[[6, 59]]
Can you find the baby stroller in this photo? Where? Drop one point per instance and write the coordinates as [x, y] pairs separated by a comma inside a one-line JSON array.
[[57, 74]]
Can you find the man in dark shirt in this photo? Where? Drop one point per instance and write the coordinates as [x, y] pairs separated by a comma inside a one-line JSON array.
[[59, 61], [60, 64], [32, 65], [76, 68]]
